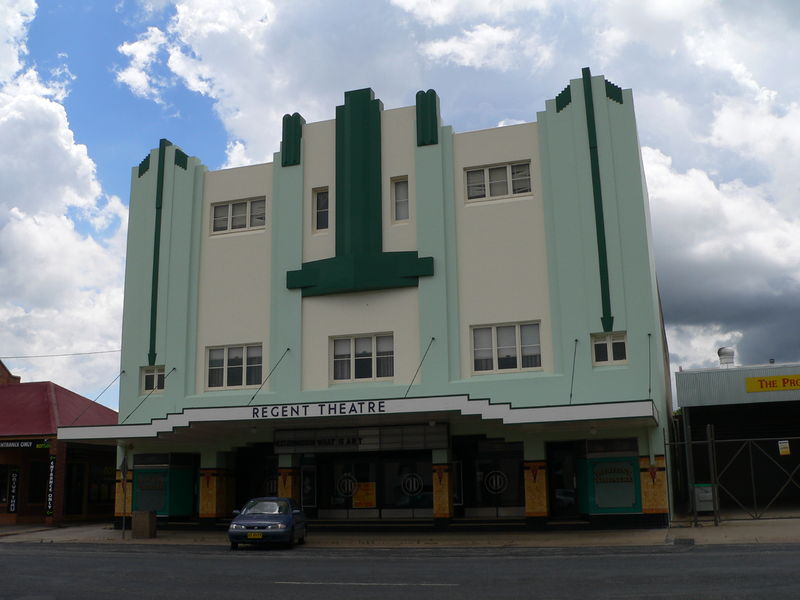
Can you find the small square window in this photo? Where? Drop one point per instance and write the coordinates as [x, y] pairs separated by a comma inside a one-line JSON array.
[[609, 349], [153, 379]]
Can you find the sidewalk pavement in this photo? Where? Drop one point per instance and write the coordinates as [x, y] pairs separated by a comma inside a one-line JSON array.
[[775, 531]]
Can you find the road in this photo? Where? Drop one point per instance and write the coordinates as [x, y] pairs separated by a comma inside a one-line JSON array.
[[45, 571]]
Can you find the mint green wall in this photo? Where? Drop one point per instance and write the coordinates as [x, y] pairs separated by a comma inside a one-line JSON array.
[[572, 263], [176, 310]]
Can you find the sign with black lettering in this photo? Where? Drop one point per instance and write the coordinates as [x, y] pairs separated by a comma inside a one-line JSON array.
[[13, 490], [51, 486]]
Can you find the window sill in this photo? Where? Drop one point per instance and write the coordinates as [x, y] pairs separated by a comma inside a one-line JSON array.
[[501, 199], [508, 371], [235, 231]]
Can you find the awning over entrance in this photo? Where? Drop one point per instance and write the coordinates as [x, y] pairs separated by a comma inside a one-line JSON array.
[[634, 413]]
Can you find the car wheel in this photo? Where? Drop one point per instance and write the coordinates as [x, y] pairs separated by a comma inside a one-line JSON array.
[[234, 545]]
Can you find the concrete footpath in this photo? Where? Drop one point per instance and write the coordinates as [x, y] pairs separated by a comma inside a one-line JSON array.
[[765, 531]]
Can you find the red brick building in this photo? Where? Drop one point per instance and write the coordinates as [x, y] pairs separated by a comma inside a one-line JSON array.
[[42, 479]]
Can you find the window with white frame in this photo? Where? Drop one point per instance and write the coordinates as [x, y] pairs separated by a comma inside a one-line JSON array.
[[239, 215], [512, 347], [359, 358], [498, 181], [153, 379], [234, 366], [400, 199], [609, 348], [320, 209]]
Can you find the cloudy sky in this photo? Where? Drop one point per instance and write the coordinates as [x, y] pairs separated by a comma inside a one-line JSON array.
[[88, 87]]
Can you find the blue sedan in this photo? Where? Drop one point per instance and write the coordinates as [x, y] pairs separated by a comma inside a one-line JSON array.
[[266, 520]]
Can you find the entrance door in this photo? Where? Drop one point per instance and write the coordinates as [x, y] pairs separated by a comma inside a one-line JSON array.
[[563, 460]]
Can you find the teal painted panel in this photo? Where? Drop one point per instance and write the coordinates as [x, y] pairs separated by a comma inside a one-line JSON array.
[[427, 118], [181, 498], [290, 142], [614, 485]]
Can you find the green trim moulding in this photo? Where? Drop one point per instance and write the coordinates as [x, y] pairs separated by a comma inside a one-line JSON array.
[[291, 138], [360, 263], [162, 149], [427, 118]]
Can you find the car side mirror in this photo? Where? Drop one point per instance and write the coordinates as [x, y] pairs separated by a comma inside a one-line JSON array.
[[236, 513]]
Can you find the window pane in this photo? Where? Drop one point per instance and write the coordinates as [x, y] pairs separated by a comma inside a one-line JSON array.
[[507, 347], [482, 344], [216, 362], [521, 178], [384, 364], [239, 215], [498, 181], [235, 361], [531, 350], [149, 380], [363, 363], [601, 352], [321, 210], [258, 215], [476, 187], [401, 200], [618, 350], [220, 218], [341, 359], [161, 381], [253, 365]]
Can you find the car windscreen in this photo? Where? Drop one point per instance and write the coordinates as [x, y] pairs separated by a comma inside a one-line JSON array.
[[266, 507]]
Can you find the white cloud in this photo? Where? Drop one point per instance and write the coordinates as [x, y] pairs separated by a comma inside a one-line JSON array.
[[440, 12], [507, 122], [62, 290], [15, 15], [486, 46], [142, 53]]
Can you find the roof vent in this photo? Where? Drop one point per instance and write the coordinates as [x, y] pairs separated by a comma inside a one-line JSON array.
[[725, 356]]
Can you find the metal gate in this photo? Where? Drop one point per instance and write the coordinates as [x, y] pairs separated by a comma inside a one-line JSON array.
[[754, 478]]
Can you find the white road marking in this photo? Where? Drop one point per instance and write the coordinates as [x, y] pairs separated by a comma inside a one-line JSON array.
[[366, 583]]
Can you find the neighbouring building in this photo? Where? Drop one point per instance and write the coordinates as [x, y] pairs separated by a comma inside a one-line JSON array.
[[43, 479], [740, 437], [393, 320]]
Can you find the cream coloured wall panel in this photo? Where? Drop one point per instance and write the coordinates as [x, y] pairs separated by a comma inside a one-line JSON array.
[[319, 171], [393, 311], [398, 142], [501, 243], [234, 285]]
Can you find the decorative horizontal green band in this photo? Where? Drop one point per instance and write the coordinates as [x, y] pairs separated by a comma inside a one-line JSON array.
[[358, 273]]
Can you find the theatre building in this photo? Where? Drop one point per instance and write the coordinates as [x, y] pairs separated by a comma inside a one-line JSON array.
[[393, 320]]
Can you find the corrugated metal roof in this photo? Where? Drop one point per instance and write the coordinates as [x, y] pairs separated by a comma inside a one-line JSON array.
[[711, 387]]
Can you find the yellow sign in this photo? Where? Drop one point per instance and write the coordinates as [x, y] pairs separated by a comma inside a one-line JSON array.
[[783, 447], [364, 496], [773, 383]]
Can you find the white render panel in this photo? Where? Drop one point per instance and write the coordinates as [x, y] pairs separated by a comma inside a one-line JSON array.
[[398, 145], [393, 311], [501, 280], [234, 269], [319, 170]]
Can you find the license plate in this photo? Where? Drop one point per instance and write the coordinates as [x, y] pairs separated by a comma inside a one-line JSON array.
[[254, 535]]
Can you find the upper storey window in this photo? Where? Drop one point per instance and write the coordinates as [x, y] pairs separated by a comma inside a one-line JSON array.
[[239, 215], [502, 348], [499, 181], [400, 199], [321, 209], [609, 348]]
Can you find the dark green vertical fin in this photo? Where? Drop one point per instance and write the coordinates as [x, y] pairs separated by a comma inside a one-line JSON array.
[[360, 263], [606, 320], [144, 166], [563, 99], [162, 150], [613, 92], [427, 118], [290, 142], [181, 159], [358, 174]]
